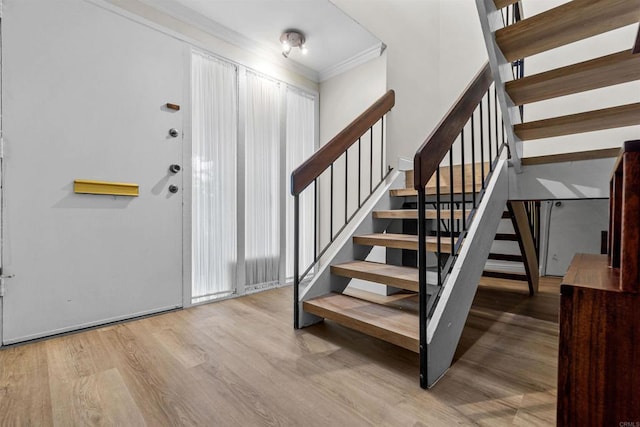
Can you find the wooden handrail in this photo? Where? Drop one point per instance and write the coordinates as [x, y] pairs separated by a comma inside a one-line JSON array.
[[315, 165], [436, 146]]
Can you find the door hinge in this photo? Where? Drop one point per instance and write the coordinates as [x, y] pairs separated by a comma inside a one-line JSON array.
[[3, 278]]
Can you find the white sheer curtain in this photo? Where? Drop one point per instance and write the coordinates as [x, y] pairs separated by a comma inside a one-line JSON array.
[[214, 190], [300, 146], [262, 180]]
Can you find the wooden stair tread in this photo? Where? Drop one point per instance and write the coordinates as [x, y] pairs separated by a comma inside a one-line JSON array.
[[510, 237], [505, 257], [386, 274], [603, 153], [504, 3], [508, 275], [607, 118], [567, 23], [431, 191], [401, 241], [445, 188], [413, 214], [608, 70], [391, 324], [404, 300]]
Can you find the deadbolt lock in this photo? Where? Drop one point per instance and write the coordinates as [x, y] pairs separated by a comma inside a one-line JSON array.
[[174, 168], [173, 132], [173, 189]]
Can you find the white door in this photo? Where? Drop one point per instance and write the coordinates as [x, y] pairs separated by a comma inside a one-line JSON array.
[[84, 95]]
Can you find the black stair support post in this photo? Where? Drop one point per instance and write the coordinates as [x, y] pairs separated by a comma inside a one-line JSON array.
[[409, 226], [422, 286], [296, 261]]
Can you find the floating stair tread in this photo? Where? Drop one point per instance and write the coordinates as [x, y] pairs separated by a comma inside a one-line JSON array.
[[409, 301], [607, 118], [401, 241], [405, 300], [509, 275], [504, 3], [391, 275], [445, 188], [603, 153], [413, 214], [506, 257], [567, 23], [606, 71], [510, 237], [431, 191], [391, 324]]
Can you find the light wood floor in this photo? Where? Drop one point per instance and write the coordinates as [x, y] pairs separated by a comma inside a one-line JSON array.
[[239, 362]]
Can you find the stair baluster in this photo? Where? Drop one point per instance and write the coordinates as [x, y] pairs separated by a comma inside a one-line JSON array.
[[312, 171]]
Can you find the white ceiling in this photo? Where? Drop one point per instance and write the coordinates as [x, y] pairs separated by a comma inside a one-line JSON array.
[[335, 41]]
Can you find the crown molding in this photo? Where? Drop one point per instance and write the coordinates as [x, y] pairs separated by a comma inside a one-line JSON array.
[[358, 59]]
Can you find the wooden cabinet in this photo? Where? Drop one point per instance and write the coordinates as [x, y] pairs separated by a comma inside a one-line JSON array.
[[599, 353]]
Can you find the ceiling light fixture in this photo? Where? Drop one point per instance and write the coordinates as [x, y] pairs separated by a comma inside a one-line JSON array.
[[290, 39]]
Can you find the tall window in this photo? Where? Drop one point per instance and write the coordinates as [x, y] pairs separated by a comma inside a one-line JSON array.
[[300, 130], [277, 135], [214, 190], [263, 186]]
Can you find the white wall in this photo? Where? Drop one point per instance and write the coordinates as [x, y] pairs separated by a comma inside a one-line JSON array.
[[410, 29], [344, 97], [462, 49], [575, 227]]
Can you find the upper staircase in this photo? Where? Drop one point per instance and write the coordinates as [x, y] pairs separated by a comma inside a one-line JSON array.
[[436, 223], [567, 23]]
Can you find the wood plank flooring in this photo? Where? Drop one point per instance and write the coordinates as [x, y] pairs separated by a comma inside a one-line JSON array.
[[239, 362]]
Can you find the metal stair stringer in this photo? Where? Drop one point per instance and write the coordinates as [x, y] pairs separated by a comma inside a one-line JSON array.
[[445, 326]]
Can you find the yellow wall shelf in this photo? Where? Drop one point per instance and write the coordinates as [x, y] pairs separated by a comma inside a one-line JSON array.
[[87, 186]]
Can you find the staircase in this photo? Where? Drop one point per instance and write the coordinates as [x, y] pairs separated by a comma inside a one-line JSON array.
[[570, 22], [396, 320], [437, 222]]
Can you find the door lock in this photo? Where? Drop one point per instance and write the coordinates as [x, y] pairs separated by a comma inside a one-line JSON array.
[[173, 189], [173, 132], [174, 168]]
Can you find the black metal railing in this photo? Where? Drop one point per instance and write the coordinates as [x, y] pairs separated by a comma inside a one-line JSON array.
[[330, 170]]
